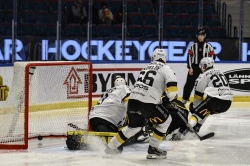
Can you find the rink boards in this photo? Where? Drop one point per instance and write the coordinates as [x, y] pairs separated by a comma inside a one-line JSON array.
[[238, 75]]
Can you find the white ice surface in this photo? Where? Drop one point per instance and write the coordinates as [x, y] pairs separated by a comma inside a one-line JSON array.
[[229, 146]]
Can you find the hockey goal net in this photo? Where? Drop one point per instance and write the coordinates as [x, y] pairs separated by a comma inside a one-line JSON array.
[[43, 99]]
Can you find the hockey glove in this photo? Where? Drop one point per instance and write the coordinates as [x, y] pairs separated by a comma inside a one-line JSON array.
[[191, 108], [170, 105], [165, 100]]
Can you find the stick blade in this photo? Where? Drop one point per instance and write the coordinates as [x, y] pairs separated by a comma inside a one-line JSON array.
[[209, 135]]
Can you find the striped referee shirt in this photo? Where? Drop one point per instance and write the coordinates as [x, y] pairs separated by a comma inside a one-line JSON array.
[[196, 53]]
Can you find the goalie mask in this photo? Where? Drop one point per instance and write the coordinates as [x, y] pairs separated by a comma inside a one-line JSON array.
[[206, 63], [159, 55], [119, 81]]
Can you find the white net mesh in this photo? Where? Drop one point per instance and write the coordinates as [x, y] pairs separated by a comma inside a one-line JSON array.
[[58, 95]]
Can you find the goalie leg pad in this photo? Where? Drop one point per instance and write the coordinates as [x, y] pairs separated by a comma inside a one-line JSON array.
[[81, 140], [73, 142]]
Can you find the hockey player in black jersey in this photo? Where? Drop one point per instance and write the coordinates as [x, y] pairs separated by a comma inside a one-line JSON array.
[[145, 103], [213, 84], [177, 122]]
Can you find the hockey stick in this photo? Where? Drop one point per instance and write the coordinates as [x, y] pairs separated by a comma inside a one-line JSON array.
[[209, 135], [83, 131], [74, 126]]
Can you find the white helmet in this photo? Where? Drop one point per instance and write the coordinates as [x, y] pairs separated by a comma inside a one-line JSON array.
[[119, 81], [206, 62], [159, 54]]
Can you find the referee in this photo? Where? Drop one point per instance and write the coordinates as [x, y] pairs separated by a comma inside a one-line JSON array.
[[196, 52]]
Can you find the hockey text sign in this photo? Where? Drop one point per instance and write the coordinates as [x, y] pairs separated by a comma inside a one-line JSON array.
[[110, 50], [239, 79], [103, 78]]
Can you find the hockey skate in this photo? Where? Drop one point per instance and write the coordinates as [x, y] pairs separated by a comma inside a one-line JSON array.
[[156, 153], [176, 136], [112, 152], [180, 134]]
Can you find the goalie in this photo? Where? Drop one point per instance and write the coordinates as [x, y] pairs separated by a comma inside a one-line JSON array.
[[110, 112], [214, 84], [109, 115]]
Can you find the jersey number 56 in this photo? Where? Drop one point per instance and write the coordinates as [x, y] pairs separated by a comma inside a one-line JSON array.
[[147, 77]]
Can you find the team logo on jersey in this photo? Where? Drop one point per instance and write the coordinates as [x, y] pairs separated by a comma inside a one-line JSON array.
[[155, 120], [239, 79], [141, 86]]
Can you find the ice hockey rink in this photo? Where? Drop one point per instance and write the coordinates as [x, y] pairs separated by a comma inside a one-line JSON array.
[[229, 146]]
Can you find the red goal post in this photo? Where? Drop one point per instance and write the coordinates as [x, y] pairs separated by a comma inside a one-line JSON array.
[[43, 99]]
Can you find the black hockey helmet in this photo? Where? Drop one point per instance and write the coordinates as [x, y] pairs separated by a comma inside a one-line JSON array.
[[201, 32]]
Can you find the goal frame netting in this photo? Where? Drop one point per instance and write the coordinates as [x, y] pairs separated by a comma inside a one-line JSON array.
[[26, 96]]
